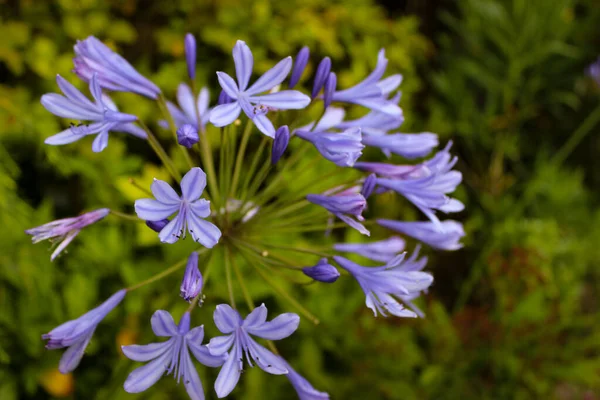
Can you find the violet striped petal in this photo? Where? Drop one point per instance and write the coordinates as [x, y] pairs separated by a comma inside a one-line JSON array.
[[272, 77], [163, 324], [244, 62]]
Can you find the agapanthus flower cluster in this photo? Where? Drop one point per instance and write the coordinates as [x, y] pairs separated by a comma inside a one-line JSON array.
[[274, 158]]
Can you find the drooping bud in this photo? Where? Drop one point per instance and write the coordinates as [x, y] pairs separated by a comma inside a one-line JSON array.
[[322, 272], [369, 185], [280, 143], [190, 54], [321, 76], [187, 136], [191, 285], [157, 226], [330, 85], [299, 66]]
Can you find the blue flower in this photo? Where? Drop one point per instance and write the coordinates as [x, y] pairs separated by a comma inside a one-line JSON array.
[[239, 343], [280, 143], [190, 208], [445, 236], [187, 136], [303, 387], [299, 66], [387, 170], [341, 148], [343, 206], [322, 272], [382, 285], [193, 112], [64, 230], [372, 91], [114, 72], [427, 184], [369, 185], [407, 145], [190, 54], [376, 123], [191, 285], [329, 89], [171, 356], [245, 97], [76, 334], [321, 76], [102, 113], [383, 250]]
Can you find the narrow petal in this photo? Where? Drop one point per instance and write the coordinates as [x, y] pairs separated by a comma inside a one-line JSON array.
[[142, 378], [203, 100], [244, 62], [191, 380], [265, 360], [272, 77], [284, 100], [193, 184], [203, 232], [200, 208], [228, 84], [64, 137], [281, 327], [154, 210], [164, 193], [389, 84], [100, 142], [96, 90], [202, 354], [256, 318], [186, 101], [65, 108], [228, 376], [225, 114], [264, 124], [143, 353], [163, 324], [71, 358], [173, 230], [226, 318], [220, 344], [72, 92]]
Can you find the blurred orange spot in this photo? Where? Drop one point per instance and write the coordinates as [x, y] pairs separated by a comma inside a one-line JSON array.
[[126, 337], [57, 384], [177, 48]]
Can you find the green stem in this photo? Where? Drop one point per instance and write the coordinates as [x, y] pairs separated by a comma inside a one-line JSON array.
[[161, 153], [162, 104], [228, 276], [158, 276], [240, 280], [240, 158], [586, 127], [138, 186], [209, 167], [129, 217]]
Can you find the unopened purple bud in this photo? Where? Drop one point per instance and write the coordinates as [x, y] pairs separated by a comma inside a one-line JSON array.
[[369, 185], [224, 98], [191, 285], [330, 85], [187, 136], [322, 272], [190, 54], [321, 76], [299, 66], [157, 226], [280, 143]]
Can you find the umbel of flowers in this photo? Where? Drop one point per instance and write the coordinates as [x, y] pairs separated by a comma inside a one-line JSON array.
[[244, 205]]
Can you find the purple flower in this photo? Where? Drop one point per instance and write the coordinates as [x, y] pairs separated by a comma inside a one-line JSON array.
[[322, 272], [224, 98], [114, 72], [239, 343], [407, 145], [157, 226], [64, 230], [303, 387], [193, 112], [76, 334], [280, 143], [375, 123], [330, 85], [593, 71], [190, 209], [445, 236], [369, 186], [171, 356], [299, 66], [427, 184], [321, 76], [190, 54], [343, 206], [245, 96], [382, 285], [383, 250], [372, 91], [102, 113], [191, 285], [187, 136], [386, 170]]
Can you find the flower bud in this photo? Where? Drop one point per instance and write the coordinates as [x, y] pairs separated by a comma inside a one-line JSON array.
[[322, 272], [321, 76], [191, 285], [157, 226], [280, 143], [330, 84], [299, 66], [190, 55], [369, 185], [187, 136]]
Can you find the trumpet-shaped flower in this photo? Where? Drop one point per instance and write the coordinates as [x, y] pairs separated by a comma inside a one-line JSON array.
[[172, 356], [194, 112], [382, 285], [383, 250], [343, 206], [114, 72], [445, 236], [249, 98], [76, 334], [239, 343], [190, 208], [102, 113], [64, 230], [191, 285]]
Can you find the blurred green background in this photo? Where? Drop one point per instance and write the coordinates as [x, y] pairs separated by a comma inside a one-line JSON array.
[[513, 315]]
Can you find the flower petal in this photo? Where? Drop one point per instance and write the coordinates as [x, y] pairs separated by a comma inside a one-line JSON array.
[[142, 378], [284, 100], [272, 77], [225, 114], [265, 360], [163, 324], [228, 376], [256, 318], [193, 184], [147, 352], [264, 124], [71, 358], [173, 230], [203, 232], [228, 84], [244, 62], [220, 344], [200, 208], [164, 193], [202, 354], [154, 210], [64, 137], [72, 92], [100, 142], [65, 108], [191, 380], [281, 327], [185, 98], [226, 318]]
